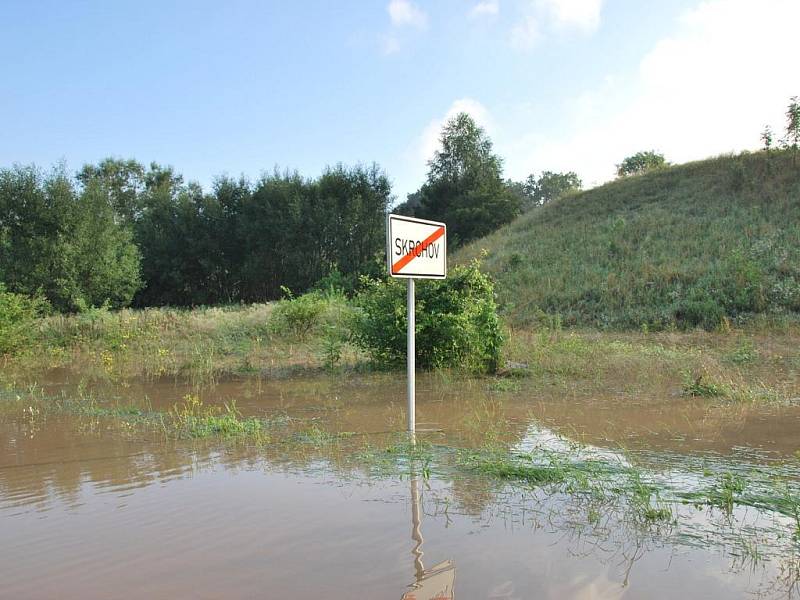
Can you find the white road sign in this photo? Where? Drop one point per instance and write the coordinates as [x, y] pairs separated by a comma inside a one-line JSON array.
[[417, 249]]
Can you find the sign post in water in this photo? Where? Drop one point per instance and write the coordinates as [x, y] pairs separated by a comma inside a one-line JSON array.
[[416, 249]]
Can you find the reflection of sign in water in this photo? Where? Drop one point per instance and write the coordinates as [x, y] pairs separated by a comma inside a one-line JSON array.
[[437, 582]]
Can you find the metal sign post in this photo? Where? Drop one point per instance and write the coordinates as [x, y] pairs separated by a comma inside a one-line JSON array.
[[415, 249], [411, 357]]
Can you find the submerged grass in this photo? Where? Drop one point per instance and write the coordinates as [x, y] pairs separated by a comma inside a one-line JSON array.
[[187, 419], [514, 468], [600, 482], [191, 418], [596, 480], [606, 484]]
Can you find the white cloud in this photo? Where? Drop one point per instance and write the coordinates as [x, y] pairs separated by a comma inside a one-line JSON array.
[[404, 12], [428, 142], [486, 8], [709, 88], [538, 17], [525, 34], [581, 14]]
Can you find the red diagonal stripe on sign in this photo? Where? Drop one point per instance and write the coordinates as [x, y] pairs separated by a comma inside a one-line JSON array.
[[417, 250]]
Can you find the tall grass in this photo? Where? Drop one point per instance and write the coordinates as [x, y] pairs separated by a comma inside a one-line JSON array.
[[701, 244], [199, 345]]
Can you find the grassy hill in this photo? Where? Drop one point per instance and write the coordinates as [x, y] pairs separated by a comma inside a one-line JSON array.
[[692, 245]]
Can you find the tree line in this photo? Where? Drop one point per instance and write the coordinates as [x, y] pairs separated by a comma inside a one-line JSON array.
[[118, 232]]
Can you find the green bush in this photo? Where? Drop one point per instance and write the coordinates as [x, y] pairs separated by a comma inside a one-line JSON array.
[[298, 316], [329, 313], [699, 310], [640, 163], [456, 322], [17, 315]]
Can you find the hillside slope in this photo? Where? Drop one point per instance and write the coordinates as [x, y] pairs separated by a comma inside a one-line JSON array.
[[691, 245]]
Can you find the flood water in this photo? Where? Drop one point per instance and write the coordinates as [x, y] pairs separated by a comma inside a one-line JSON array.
[[88, 510]]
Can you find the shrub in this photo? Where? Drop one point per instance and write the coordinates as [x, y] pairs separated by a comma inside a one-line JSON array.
[[17, 314], [456, 322], [335, 282], [699, 309], [298, 316], [314, 312], [641, 162]]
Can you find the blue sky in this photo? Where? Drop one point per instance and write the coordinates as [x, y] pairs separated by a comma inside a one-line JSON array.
[[240, 87]]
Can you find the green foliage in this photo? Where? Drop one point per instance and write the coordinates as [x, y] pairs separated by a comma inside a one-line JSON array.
[[699, 309], [336, 282], [792, 138], [641, 162], [743, 354], [326, 313], [465, 151], [730, 486], [767, 137], [243, 241], [332, 343], [676, 248], [298, 316], [456, 322], [193, 419], [464, 187], [64, 242], [17, 319], [550, 186], [123, 180], [504, 467], [105, 261], [701, 385]]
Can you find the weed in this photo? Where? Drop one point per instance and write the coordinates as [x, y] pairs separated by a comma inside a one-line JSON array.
[[504, 385], [599, 483], [17, 316], [191, 418], [426, 470], [314, 436], [700, 384], [332, 343], [641, 495], [724, 494], [744, 353], [515, 468]]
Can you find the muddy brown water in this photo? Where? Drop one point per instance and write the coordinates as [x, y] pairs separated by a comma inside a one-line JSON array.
[[88, 512], [462, 411]]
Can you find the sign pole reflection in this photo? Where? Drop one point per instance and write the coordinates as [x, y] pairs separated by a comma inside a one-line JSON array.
[[437, 582]]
